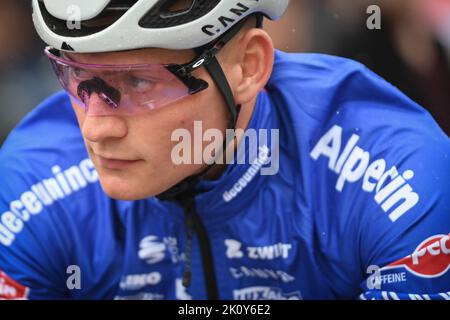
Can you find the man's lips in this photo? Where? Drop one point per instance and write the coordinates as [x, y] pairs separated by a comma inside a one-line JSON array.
[[115, 164]]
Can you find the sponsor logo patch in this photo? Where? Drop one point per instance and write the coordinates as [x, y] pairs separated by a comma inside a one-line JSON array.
[[430, 259], [10, 289]]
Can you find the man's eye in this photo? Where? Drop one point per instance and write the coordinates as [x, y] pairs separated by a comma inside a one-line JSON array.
[[141, 84]]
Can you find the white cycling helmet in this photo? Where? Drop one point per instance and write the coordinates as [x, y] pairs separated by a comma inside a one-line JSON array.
[[116, 25]]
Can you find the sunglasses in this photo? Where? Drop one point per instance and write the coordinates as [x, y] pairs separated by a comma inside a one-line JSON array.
[[126, 89]]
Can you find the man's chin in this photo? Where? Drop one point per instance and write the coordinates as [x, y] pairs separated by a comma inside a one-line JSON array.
[[126, 191]]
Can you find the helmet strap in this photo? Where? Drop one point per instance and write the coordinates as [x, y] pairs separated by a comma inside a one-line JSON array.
[[215, 70]]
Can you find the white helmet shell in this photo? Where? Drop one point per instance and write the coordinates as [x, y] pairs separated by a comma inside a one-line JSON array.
[[142, 23], [61, 9]]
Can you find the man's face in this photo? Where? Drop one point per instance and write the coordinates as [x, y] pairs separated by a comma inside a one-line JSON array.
[[132, 154]]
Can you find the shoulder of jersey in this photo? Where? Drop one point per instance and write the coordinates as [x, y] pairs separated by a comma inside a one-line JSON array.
[[50, 128], [325, 90]]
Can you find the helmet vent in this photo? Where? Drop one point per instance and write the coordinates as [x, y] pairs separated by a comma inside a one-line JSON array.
[[180, 7], [172, 13], [113, 11]]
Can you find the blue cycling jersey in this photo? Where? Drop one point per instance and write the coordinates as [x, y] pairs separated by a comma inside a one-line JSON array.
[[356, 204]]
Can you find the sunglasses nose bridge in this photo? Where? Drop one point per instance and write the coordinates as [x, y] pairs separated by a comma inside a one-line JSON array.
[[107, 95], [96, 106]]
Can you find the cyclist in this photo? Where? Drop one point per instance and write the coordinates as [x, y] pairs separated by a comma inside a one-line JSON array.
[[339, 188]]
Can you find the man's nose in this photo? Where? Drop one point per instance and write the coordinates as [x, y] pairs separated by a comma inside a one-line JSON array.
[[102, 122]]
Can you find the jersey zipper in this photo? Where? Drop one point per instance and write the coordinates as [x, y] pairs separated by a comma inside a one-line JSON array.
[[195, 225]]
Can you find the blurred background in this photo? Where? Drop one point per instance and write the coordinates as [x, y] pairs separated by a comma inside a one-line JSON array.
[[411, 50]]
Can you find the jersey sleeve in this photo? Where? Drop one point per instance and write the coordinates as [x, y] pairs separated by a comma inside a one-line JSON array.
[[407, 256]]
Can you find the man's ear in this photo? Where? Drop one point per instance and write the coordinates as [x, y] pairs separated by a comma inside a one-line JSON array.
[[255, 58]]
